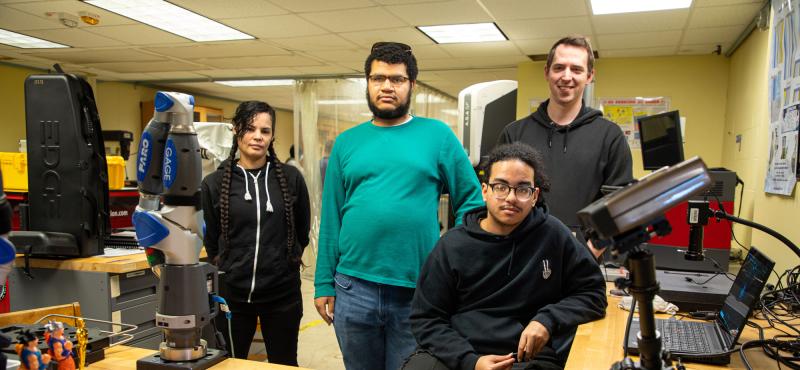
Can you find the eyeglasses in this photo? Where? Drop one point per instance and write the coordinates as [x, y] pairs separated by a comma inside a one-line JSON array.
[[394, 80], [382, 44], [522, 192]]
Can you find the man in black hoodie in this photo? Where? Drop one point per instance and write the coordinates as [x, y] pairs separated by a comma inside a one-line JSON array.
[[508, 283], [582, 150]]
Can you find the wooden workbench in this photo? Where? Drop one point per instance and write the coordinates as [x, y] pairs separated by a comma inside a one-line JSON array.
[[114, 265], [124, 358], [598, 344]]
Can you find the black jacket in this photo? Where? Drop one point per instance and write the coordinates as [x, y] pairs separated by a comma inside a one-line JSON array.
[[579, 157], [478, 291], [276, 278]]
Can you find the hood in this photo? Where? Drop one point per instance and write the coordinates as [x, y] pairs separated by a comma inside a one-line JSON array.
[[585, 116], [534, 219]]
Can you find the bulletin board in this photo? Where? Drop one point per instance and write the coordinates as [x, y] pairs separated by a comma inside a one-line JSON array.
[[623, 111], [784, 98]]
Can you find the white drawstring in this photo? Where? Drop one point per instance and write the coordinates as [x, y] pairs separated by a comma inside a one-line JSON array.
[[246, 184], [266, 189]]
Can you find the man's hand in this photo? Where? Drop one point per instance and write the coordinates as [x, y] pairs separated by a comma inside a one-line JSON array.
[[533, 338], [325, 308], [494, 362]]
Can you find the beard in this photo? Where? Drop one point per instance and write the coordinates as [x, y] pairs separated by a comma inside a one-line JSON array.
[[395, 113]]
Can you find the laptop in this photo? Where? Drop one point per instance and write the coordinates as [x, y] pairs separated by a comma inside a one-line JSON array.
[[708, 342]]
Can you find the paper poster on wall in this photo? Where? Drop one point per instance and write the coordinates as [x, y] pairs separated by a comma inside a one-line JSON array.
[[623, 111], [784, 99]]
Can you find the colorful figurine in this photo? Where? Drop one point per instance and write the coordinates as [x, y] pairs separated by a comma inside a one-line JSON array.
[[29, 355], [60, 347]]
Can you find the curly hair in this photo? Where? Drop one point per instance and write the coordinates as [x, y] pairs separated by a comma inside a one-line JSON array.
[[392, 53], [521, 152], [242, 119]]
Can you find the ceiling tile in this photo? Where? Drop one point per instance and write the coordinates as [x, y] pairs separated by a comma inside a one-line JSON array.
[[498, 49], [422, 52], [76, 37], [537, 46], [341, 55], [373, 18], [223, 73], [527, 9], [218, 10], [115, 76], [81, 56], [161, 66], [310, 43], [262, 61], [321, 5], [450, 12], [176, 75], [138, 34], [17, 21], [541, 28], [399, 2], [638, 52], [700, 49], [637, 40], [271, 71], [226, 49], [406, 35], [716, 35], [326, 69], [39, 8], [640, 22], [277, 26], [719, 16]]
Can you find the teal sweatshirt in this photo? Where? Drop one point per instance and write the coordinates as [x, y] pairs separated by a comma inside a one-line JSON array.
[[381, 197]]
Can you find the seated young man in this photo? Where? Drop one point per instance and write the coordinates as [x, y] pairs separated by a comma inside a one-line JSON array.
[[509, 282]]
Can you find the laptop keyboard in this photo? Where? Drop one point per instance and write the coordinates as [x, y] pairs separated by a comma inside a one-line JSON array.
[[685, 336]]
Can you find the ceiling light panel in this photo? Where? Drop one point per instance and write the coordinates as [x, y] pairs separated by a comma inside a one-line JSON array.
[[172, 18], [600, 7], [455, 33], [26, 42]]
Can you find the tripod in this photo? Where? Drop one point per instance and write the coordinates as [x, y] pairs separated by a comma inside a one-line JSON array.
[[643, 287]]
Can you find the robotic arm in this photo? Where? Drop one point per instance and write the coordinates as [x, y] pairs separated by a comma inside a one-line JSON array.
[[168, 168], [168, 164]]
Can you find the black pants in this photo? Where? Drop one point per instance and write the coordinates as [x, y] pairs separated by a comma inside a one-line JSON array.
[[424, 360], [280, 326]]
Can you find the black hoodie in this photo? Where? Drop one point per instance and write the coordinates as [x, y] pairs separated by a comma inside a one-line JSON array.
[[273, 278], [478, 291], [579, 157]]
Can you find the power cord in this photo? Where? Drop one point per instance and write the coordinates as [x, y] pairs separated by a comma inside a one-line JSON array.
[[223, 306]]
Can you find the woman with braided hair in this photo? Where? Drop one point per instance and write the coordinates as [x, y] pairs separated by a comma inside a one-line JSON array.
[[257, 218]]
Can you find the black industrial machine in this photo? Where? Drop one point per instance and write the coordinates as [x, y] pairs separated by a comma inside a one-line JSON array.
[[67, 211]]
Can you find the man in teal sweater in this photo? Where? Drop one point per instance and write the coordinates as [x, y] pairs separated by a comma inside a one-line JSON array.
[[379, 214]]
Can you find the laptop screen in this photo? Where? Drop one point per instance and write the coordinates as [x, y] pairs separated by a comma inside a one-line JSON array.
[[745, 291]]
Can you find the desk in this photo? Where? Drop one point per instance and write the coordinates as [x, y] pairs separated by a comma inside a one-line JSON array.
[[598, 344], [124, 358], [119, 289]]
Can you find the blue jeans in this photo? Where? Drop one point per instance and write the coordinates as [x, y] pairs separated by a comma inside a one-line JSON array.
[[371, 323]]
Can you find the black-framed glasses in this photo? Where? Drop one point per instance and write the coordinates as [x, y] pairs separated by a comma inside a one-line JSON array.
[[394, 80], [382, 44], [522, 192]]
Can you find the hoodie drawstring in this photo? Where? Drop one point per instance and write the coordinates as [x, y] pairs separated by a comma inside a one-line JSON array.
[[247, 195], [513, 252], [550, 135], [566, 134], [266, 189]]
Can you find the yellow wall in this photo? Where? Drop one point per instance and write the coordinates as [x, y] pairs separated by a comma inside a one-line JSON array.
[[118, 106], [748, 115], [695, 85]]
